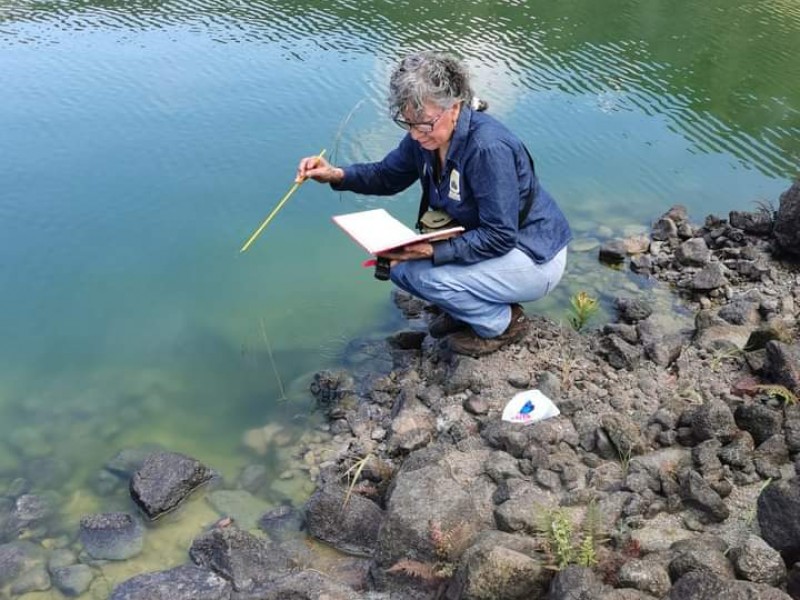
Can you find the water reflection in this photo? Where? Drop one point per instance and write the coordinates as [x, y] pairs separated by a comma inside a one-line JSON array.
[[722, 74]]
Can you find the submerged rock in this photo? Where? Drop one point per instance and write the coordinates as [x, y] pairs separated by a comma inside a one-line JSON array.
[[112, 536], [72, 580], [186, 582], [164, 480], [306, 585], [240, 557], [16, 558]]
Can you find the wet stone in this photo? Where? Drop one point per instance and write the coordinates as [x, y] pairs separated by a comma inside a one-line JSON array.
[[476, 405], [709, 278], [32, 508], [73, 580], [16, 558], [111, 536], [164, 480], [280, 521], [186, 582], [35, 579], [239, 557]]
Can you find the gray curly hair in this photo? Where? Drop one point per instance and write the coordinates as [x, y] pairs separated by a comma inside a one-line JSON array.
[[428, 77]]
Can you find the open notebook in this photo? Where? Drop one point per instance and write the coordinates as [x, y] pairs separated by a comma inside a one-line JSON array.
[[377, 231]]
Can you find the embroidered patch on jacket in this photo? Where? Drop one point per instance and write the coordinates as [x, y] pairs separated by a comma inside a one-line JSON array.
[[455, 186]]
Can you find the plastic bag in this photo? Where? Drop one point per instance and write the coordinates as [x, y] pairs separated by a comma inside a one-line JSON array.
[[529, 407]]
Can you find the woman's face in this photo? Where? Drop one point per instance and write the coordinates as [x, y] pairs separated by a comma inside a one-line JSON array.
[[433, 128]]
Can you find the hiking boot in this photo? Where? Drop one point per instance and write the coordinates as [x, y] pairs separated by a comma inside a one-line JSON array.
[[444, 325], [471, 344]]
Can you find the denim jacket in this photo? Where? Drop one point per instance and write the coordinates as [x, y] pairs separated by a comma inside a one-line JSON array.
[[485, 181]]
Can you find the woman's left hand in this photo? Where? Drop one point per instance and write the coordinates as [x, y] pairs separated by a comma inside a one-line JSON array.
[[412, 252]]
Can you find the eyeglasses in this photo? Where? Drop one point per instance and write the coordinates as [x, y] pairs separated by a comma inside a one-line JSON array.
[[422, 126]]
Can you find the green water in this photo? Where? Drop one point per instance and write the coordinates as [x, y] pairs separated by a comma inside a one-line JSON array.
[[142, 143]]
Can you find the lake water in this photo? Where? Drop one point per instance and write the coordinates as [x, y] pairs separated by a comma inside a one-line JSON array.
[[142, 143]]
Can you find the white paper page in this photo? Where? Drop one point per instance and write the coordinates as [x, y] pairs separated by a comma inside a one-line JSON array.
[[375, 230], [378, 231]]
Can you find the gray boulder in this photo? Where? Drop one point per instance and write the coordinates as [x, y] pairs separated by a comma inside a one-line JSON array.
[[111, 536], [706, 555], [492, 571], [619, 353], [350, 526], [447, 493], [239, 557], [186, 582], [575, 583], [710, 277], [756, 561], [693, 252], [778, 510], [760, 421], [782, 364], [714, 419], [756, 223], [164, 480], [633, 310], [696, 492], [305, 585], [700, 585], [786, 231], [645, 576]]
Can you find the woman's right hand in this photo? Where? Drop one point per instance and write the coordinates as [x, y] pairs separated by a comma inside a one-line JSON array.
[[318, 169]]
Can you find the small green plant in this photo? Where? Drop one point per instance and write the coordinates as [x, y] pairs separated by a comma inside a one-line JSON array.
[[583, 308], [774, 390], [563, 544], [625, 458], [587, 554]]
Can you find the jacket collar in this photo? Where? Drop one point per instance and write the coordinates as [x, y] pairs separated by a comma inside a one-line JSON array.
[[460, 132]]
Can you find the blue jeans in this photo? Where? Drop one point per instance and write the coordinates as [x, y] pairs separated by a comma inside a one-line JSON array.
[[480, 294]]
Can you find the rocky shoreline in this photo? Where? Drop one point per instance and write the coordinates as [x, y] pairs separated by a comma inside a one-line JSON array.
[[670, 473]]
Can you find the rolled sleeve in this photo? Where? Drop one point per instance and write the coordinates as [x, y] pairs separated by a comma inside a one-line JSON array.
[[443, 252]]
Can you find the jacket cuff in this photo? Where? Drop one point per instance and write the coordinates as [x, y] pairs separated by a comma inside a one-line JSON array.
[[443, 252], [341, 186]]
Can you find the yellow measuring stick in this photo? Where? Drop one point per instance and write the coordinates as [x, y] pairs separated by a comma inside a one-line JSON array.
[[275, 210]]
